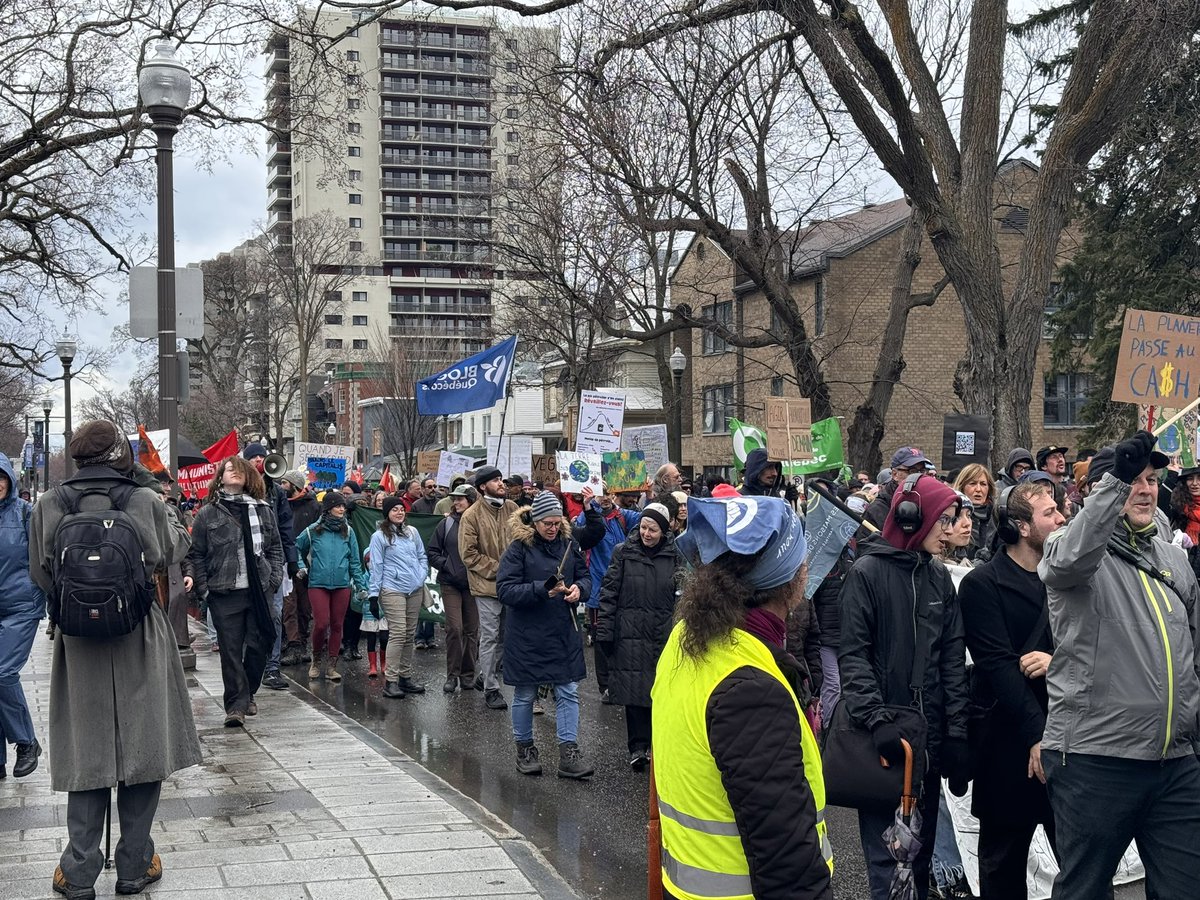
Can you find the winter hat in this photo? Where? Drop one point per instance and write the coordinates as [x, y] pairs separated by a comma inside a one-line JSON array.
[[1106, 461], [332, 499], [101, 443], [253, 451], [934, 497], [680, 497], [659, 515], [354, 486], [295, 478], [391, 503], [764, 526], [484, 475], [545, 506], [1018, 454]]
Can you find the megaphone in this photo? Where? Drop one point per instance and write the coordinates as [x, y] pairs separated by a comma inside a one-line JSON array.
[[275, 465]]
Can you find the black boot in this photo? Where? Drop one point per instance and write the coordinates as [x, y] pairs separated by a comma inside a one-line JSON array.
[[528, 762], [571, 763], [27, 758], [393, 691], [409, 686]]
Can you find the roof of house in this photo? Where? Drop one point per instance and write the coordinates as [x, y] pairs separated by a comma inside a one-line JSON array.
[[835, 238]]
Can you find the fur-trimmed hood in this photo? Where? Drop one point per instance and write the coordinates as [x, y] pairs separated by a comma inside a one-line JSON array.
[[520, 526]]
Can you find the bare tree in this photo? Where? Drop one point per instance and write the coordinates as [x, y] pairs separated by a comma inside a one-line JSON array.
[[134, 406]]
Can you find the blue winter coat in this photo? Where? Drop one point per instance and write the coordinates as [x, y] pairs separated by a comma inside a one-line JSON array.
[[18, 594], [333, 561], [542, 643], [616, 529]]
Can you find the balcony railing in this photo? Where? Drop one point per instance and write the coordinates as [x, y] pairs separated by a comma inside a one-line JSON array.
[[279, 197], [420, 329], [449, 256], [416, 111], [436, 306], [420, 135], [479, 210], [432, 160], [427, 89], [395, 183], [394, 61], [432, 229], [278, 173]]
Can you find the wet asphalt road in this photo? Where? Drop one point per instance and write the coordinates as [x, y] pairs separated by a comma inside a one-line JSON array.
[[593, 832]]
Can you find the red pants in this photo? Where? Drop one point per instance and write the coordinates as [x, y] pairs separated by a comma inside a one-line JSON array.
[[329, 607]]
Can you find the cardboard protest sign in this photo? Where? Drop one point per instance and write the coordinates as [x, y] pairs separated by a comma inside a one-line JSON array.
[[428, 461], [601, 417], [326, 472], [306, 450], [965, 440], [789, 429], [544, 469], [1158, 361], [451, 464], [651, 440], [624, 471], [579, 470]]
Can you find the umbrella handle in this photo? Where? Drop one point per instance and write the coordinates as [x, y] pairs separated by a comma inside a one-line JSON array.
[[908, 799]]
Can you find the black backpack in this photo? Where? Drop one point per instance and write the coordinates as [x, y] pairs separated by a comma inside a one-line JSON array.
[[100, 585]]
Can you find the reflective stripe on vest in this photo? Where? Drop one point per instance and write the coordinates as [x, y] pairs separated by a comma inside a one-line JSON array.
[[702, 856]]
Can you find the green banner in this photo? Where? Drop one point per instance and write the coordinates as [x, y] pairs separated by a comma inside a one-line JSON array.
[[827, 447], [365, 520], [745, 438]]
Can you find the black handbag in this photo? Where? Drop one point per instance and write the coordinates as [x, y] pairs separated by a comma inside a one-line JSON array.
[[855, 774]]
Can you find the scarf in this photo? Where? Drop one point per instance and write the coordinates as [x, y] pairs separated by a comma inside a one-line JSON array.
[[252, 505], [767, 626], [496, 502], [336, 524], [1191, 522]]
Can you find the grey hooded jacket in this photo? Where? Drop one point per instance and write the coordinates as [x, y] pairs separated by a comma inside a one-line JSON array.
[[1123, 680]]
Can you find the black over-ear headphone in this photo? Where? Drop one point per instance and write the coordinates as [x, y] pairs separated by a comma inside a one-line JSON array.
[[907, 515], [1006, 528]]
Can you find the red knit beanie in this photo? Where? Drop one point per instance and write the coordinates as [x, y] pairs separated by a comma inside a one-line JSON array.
[[935, 498]]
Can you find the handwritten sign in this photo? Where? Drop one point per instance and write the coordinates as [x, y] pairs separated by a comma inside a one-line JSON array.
[[545, 469], [1158, 361], [624, 471], [451, 464], [428, 461], [306, 450], [651, 440], [789, 429], [326, 472], [601, 417], [579, 470]]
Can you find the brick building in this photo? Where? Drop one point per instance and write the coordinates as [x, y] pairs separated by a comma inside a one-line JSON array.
[[842, 274]]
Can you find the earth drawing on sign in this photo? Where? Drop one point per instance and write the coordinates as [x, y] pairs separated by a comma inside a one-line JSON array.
[[579, 471]]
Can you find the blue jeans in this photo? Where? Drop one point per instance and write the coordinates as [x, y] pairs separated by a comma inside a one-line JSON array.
[[566, 713], [831, 683], [881, 866], [947, 861], [18, 628], [277, 618]]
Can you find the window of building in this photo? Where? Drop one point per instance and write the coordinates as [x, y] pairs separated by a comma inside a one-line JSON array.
[[355, 222], [356, 174], [341, 397], [358, 320], [717, 402], [358, 296], [359, 344], [356, 199], [777, 386], [354, 151], [514, 228], [514, 159], [333, 296], [376, 439], [356, 246], [333, 343], [510, 43], [351, 56], [353, 128], [487, 425], [353, 103], [513, 136], [720, 312], [333, 319], [511, 112], [1066, 395], [1080, 331], [819, 305]]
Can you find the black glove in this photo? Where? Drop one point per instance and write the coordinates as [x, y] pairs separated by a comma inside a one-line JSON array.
[[373, 605], [887, 742], [1132, 456], [956, 764], [293, 569]]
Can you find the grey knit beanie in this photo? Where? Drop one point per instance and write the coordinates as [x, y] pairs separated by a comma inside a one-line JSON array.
[[545, 506]]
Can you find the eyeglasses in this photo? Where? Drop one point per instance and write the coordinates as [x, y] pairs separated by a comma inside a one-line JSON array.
[[546, 524], [946, 522]]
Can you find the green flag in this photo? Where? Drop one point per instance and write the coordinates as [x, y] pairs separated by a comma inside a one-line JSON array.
[[827, 449], [745, 438]]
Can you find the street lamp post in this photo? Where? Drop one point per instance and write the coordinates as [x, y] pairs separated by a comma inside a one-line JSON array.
[[47, 405], [331, 432], [66, 347], [677, 363], [165, 86]]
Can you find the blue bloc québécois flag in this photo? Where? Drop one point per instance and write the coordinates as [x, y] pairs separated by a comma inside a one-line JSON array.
[[476, 382]]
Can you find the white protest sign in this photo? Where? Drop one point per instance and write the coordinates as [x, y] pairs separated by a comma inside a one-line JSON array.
[[511, 454], [451, 464], [306, 450], [579, 470], [652, 441], [600, 419]]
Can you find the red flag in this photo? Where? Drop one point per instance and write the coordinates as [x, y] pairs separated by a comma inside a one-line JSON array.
[[147, 454], [225, 447], [386, 482]]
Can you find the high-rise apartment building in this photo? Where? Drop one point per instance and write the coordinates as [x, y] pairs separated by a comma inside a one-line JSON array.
[[427, 110]]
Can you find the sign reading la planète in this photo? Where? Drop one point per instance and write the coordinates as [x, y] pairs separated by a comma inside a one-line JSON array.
[[1158, 362]]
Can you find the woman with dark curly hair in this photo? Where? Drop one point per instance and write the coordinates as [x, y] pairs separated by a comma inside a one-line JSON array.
[[741, 794], [1185, 511]]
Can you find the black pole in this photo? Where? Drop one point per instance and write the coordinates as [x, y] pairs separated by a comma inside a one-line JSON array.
[[46, 453], [676, 442], [166, 121], [67, 461]]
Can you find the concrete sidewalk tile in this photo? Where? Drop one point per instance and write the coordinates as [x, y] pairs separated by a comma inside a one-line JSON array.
[[323, 848], [30, 888], [426, 840], [209, 856], [302, 870], [254, 892], [432, 816], [347, 890], [458, 884], [433, 862]]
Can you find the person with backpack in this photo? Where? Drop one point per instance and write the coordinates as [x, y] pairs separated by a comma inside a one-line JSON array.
[[93, 532], [331, 561], [238, 564], [22, 606]]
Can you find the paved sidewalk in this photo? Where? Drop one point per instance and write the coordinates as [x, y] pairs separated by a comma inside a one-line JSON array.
[[304, 804]]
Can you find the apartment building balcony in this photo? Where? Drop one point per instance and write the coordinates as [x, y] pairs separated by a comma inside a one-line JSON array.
[[278, 174], [412, 63], [421, 135], [439, 229], [279, 198], [435, 40], [437, 329], [430, 89], [407, 307], [470, 257], [278, 151], [278, 59], [467, 210], [420, 111], [433, 160], [402, 183]]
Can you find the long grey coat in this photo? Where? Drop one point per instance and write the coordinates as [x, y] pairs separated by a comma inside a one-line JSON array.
[[119, 709]]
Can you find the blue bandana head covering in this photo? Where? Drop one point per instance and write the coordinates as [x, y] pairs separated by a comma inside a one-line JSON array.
[[767, 526]]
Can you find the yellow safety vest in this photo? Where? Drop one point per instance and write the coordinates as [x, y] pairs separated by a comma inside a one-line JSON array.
[[702, 854]]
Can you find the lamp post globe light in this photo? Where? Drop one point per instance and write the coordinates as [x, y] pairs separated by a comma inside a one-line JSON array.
[[47, 405], [65, 347], [677, 364], [165, 87]]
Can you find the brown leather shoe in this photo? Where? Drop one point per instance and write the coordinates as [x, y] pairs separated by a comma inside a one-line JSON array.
[[235, 719], [137, 885], [70, 891]]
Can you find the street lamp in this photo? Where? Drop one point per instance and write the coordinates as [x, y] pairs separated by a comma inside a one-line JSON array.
[[47, 405], [677, 363], [165, 86], [66, 347], [331, 432]]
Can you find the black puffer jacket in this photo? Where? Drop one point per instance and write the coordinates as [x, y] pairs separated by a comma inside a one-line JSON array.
[[637, 611], [542, 642], [443, 554], [880, 628], [825, 600], [305, 511]]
